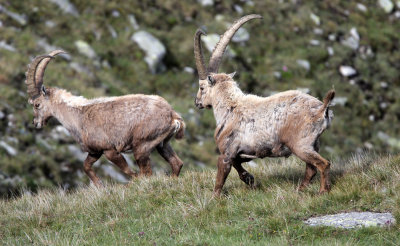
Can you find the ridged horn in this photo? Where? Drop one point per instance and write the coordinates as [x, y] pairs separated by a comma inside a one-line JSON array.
[[35, 73], [198, 54], [223, 42]]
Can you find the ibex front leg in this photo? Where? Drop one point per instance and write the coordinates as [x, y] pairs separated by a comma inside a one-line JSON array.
[[87, 166], [224, 167], [119, 160]]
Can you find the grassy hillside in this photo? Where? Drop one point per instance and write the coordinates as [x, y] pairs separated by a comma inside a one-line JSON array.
[[318, 32], [168, 211]]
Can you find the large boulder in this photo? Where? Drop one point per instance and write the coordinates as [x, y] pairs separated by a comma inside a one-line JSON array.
[[154, 49]]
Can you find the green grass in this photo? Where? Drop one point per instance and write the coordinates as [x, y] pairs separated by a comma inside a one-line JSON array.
[[161, 210]]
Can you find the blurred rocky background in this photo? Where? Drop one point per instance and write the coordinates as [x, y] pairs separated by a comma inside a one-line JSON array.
[[122, 47]]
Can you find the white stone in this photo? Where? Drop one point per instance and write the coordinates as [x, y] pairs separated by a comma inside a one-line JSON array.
[[314, 42], [77, 152], [353, 41], [339, 101], [154, 49], [10, 150], [353, 220], [42, 43], [112, 31], [21, 19], [304, 64], [386, 5], [347, 71], [315, 19], [188, 70], [5, 46], [133, 22], [397, 14], [85, 49], [384, 84], [304, 90], [66, 6], [318, 31], [238, 9], [330, 50], [362, 7], [206, 2], [242, 35], [332, 37]]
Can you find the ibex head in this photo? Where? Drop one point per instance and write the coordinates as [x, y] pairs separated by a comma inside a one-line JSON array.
[[38, 95], [206, 75]]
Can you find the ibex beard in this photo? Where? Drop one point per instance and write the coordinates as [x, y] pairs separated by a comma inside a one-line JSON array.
[[111, 126], [250, 127]]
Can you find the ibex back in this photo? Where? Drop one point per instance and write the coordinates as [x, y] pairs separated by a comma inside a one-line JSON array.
[[111, 125], [250, 127]]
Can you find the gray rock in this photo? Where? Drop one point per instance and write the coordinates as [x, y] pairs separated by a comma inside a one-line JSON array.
[[21, 19], [206, 2], [347, 71], [154, 49], [353, 220], [277, 74], [60, 133], [133, 22], [114, 173], [76, 152], [397, 14], [362, 7], [384, 84], [339, 101], [66, 6], [85, 49], [81, 69], [115, 13], [2, 115], [332, 37], [188, 70], [50, 23], [304, 90], [238, 9], [242, 35], [10, 150], [42, 43], [318, 31], [398, 4], [330, 50], [112, 31], [366, 51], [386, 5], [304, 64], [315, 19], [353, 41], [5, 46], [314, 42]]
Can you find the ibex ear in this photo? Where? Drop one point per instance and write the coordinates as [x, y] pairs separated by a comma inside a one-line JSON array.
[[210, 80], [231, 75], [43, 90]]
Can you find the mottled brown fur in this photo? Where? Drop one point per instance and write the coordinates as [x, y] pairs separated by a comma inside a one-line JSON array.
[[112, 125], [250, 127]]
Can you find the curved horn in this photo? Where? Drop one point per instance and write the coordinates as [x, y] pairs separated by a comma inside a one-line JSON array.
[[198, 54], [42, 67], [33, 90], [223, 42]]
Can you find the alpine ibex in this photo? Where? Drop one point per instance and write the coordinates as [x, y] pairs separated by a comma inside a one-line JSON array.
[[111, 125], [250, 126]]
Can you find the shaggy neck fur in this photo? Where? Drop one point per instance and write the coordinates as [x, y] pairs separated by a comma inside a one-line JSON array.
[[67, 109], [227, 96]]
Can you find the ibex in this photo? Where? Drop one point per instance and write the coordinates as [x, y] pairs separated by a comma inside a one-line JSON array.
[[112, 125], [249, 126]]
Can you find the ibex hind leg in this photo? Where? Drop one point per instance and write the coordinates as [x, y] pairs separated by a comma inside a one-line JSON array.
[[244, 175], [119, 160], [166, 151], [310, 156], [87, 167]]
